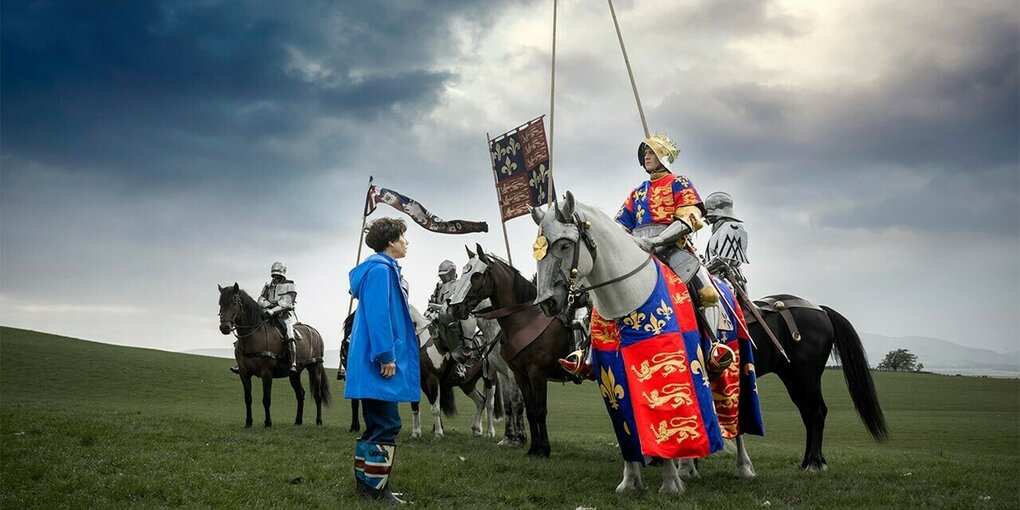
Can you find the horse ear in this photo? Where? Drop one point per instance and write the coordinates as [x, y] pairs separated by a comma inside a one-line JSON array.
[[568, 210], [470, 255], [481, 254], [236, 288], [220, 287], [537, 215]]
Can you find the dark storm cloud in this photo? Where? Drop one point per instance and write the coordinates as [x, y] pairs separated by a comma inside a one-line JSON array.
[[161, 94], [951, 125]]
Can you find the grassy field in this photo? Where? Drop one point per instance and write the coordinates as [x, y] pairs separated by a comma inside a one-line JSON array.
[[89, 425]]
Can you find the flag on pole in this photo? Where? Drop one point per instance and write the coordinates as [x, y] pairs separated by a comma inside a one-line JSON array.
[[419, 214], [520, 160]]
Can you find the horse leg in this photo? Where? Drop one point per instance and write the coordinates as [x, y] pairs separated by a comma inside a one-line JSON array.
[[490, 397], [671, 482], [479, 400], [246, 384], [541, 411], [437, 420], [267, 391], [688, 470], [631, 477], [808, 400], [416, 428], [535, 450], [744, 467], [355, 421], [299, 394]]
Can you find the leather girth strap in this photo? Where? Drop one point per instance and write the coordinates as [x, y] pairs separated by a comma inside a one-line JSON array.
[[782, 306]]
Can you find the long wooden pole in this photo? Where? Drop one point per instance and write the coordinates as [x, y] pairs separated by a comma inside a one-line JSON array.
[[630, 72], [361, 239], [506, 238], [552, 111]]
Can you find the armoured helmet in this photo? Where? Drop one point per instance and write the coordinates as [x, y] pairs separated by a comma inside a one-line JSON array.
[[278, 269], [446, 266], [664, 149], [719, 205]]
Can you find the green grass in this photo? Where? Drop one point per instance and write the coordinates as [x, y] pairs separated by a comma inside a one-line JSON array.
[[93, 425]]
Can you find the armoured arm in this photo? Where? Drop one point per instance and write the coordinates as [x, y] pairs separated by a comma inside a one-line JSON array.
[[287, 293], [673, 233]]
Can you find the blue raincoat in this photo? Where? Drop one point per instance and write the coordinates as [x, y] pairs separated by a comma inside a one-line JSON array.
[[383, 332]]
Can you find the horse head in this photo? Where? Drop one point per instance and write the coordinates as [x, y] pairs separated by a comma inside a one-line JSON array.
[[563, 258], [230, 307], [474, 285]]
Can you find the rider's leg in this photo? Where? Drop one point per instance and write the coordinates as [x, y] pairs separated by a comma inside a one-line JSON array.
[[289, 323]]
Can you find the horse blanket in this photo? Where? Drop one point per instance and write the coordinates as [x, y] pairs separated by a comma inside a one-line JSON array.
[[651, 371]]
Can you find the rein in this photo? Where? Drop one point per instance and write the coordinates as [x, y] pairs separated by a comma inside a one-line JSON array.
[[573, 290], [494, 313]]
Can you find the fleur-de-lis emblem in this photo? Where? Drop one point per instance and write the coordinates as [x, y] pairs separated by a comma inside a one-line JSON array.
[[639, 213], [509, 167], [634, 319], [512, 146], [538, 176], [665, 310], [611, 391], [640, 194], [655, 325]]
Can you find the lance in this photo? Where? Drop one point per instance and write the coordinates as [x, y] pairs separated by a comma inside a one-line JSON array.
[[364, 219]]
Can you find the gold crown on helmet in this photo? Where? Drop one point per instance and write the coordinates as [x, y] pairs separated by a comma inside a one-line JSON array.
[[664, 148]]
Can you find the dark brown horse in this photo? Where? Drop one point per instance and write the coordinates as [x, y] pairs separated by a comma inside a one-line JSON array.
[[260, 352], [535, 364]]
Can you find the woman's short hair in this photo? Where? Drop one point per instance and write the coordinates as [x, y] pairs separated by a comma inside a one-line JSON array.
[[384, 231]]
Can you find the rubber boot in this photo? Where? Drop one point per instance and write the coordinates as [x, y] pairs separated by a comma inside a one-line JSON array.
[[373, 463]]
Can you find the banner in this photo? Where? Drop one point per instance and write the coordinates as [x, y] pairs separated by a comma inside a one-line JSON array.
[[419, 214], [520, 160]]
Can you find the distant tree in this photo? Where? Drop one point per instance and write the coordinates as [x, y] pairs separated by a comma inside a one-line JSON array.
[[900, 360]]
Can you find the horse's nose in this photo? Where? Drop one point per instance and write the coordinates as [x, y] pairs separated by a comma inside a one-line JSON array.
[[224, 328]]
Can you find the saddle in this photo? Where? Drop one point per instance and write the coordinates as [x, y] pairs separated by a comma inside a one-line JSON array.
[[782, 305]]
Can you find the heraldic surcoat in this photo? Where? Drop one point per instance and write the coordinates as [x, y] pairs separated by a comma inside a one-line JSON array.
[[735, 391], [658, 201], [651, 373]]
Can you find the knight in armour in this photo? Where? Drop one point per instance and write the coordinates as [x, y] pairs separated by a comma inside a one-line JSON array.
[[277, 300], [661, 214], [450, 330], [728, 244], [447, 280]]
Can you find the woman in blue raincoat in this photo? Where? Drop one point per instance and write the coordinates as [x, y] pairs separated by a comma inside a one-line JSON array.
[[382, 363]]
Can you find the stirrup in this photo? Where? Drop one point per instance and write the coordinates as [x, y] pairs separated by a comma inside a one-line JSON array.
[[575, 365], [235, 369], [720, 358]]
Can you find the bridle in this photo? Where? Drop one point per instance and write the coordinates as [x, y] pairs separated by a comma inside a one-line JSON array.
[[235, 300], [584, 237]]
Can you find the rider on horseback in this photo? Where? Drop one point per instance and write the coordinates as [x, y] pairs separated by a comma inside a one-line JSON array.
[[277, 300], [661, 213], [460, 353], [728, 244]]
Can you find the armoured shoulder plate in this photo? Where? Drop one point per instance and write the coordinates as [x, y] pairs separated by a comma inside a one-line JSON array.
[[729, 241], [287, 287]]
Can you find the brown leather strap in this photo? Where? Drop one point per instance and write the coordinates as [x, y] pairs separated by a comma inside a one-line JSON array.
[[490, 313], [523, 337]]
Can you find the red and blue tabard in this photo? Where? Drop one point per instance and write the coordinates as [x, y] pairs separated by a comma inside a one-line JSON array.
[[735, 391], [657, 201], [657, 395]]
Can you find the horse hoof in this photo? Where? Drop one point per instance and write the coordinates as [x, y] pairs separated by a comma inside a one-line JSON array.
[[746, 473], [247, 425]]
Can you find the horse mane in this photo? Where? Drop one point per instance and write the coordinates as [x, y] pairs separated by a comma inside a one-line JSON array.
[[524, 290]]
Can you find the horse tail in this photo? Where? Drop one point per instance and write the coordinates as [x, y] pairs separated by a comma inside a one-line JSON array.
[[320, 384], [858, 375], [447, 403]]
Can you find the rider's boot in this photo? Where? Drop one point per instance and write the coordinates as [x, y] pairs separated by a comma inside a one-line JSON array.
[[578, 364], [291, 343]]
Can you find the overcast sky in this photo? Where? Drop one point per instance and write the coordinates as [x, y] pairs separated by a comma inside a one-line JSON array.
[[151, 150]]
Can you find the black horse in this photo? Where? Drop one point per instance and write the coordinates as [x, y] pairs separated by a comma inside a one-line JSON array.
[[819, 331]]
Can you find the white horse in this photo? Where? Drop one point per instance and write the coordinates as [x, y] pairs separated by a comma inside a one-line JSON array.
[[620, 279], [438, 365]]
